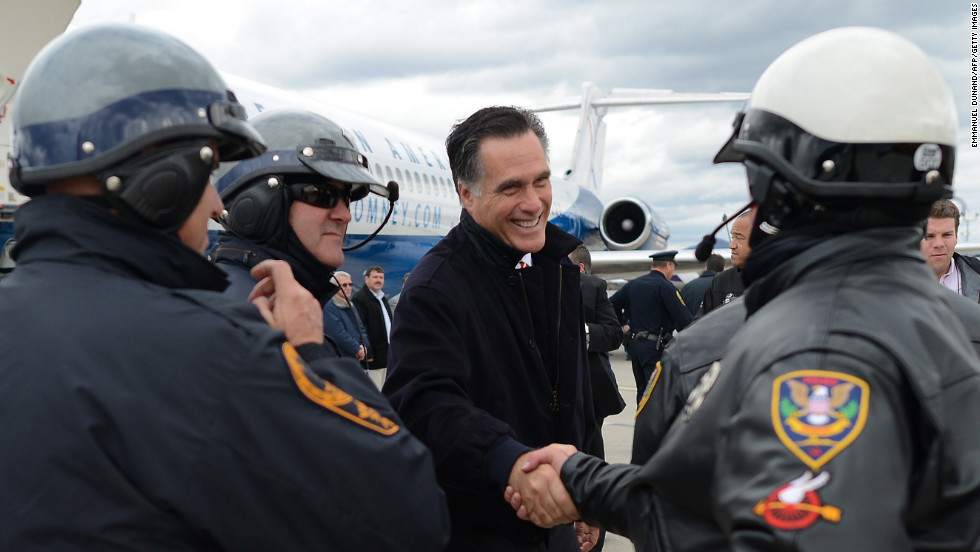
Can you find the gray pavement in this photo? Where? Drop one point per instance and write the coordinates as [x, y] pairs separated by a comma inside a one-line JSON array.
[[617, 432]]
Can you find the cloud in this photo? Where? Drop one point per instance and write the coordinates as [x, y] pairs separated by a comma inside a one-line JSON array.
[[422, 64]]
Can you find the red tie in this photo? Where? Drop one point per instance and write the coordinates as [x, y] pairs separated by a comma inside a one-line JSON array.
[[522, 264]]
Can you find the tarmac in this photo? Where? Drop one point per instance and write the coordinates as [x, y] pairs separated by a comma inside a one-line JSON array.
[[617, 433]]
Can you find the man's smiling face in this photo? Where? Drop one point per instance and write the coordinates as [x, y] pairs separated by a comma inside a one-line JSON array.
[[515, 198]]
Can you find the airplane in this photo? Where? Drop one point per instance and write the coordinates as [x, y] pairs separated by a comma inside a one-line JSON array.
[[26, 26], [428, 206]]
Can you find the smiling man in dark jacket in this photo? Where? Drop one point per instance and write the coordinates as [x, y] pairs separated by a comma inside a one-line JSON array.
[[488, 354]]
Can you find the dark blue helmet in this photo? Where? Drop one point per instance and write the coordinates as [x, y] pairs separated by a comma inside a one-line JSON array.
[[133, 107], [304, 149]]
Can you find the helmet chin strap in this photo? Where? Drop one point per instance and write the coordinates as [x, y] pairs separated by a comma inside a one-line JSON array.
[[392, 198]]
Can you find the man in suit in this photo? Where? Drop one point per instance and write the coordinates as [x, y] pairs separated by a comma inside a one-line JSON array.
[[693, 292], [602, 334], [372, 305]]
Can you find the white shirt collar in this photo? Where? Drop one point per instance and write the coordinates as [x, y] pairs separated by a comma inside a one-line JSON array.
[[526, 259], [951, 280]]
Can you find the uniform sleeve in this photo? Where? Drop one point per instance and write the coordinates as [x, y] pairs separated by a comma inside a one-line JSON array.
[[606, 333], [618, 301], [817, 452], [675, 306], [311, 460], [427, 385]]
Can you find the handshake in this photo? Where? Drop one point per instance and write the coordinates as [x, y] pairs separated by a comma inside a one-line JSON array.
[[537, 494]]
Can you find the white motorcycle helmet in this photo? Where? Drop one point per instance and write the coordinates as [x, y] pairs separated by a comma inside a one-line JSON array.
[[853, 126]]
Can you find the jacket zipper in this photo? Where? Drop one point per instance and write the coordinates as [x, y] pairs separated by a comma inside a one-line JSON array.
[[537, 350]]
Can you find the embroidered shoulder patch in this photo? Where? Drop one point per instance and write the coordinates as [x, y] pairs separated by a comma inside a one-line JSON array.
[[796, 505], [817, 413], [333, 398]]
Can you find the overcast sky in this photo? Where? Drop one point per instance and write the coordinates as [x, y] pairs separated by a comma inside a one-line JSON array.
[[423, 64]]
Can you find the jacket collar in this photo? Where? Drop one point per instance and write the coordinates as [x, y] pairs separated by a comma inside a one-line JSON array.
[[83, 231], [830, 254], [308, 271]]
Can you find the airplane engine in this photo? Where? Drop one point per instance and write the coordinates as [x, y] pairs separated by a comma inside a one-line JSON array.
[[628, 223]]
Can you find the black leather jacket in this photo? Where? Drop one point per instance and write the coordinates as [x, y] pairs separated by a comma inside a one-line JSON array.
[[849, 367]]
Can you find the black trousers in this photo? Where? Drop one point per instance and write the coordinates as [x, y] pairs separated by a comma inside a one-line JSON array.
[[466, 538], [645, 357]]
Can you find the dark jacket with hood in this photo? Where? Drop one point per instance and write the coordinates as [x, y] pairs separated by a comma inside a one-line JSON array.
[[848, 320], [142, 410], [236, 257], [487, 362]]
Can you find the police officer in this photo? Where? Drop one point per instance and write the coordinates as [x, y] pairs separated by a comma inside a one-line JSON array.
[[653, 309], [838, 415], [292, 202], [140, 410]]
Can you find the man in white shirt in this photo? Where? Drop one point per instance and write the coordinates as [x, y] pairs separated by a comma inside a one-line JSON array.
[[372, 305]]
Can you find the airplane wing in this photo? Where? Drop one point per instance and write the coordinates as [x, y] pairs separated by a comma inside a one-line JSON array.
[[970, 249], [626, 265], [631, 97], [25, 27]]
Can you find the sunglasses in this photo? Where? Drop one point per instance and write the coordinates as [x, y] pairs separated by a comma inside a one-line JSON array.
[[321, 195]]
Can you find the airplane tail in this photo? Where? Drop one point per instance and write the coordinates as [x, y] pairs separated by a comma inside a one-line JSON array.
[[585, 166], [590, 141]]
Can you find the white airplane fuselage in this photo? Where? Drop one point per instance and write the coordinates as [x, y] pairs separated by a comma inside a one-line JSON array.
[[427, 207]]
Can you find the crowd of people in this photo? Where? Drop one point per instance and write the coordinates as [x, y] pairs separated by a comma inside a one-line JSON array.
[[162, 394]]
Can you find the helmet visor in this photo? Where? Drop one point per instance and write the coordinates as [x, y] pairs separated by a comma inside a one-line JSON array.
[[343, 164], [243, 141]]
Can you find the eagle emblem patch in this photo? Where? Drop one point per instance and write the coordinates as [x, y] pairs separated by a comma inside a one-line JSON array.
[[817, 413]]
